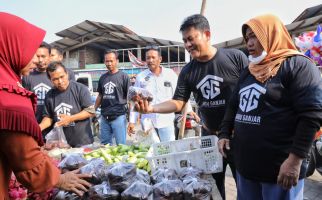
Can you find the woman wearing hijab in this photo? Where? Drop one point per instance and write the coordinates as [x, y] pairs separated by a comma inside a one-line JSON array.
[[20, 134], [275, 111]]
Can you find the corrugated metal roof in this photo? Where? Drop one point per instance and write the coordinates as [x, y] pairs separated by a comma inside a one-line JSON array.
[[309, 12], [293, 28], [104, 36]]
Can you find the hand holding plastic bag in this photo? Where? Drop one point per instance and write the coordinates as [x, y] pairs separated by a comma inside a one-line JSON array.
[[56, 138]]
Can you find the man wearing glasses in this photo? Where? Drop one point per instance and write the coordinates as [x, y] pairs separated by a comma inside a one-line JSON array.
[[211, 76], [161, 82]]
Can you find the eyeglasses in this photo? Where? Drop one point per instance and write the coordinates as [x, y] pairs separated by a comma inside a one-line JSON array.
[[155, 47]]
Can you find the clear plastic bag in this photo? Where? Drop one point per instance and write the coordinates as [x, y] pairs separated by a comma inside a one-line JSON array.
[[101, 192], [72, 161], [56, 138], [190, 172], [138, 191], [64, 195], [121, 176], [197, 189], [145, 133], [162, 174], [142, 175], [168, 189], [136, 93], [98, 169]]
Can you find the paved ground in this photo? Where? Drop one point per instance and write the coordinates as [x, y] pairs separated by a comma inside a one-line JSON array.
[[312, 188]]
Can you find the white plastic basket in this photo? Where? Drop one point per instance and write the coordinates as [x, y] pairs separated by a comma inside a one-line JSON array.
[[186, 144], [200, 152]]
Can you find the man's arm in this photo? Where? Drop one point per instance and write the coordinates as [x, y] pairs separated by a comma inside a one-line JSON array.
[[45, 123], [170, 106], [98, 101], [66, 119]]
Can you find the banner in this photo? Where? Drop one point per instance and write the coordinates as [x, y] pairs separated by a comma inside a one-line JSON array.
[[135, 61]]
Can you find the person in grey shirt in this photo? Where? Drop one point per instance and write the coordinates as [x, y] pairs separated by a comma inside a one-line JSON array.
[[68, 105], [56, 55]]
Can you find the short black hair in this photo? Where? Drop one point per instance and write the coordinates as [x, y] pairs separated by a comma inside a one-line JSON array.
[[197, 21], [112, 51], [58, 49], [45, 45], [153, 47], [53, 66]]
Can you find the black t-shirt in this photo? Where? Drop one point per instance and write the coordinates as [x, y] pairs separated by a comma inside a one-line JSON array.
[[39, 83], [211, 83], [113, 88], [268, 114], [70, 102]]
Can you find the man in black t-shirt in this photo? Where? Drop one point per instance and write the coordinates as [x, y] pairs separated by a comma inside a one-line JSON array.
[[37, 81], [211, 76], [112, 88], [69, 105]]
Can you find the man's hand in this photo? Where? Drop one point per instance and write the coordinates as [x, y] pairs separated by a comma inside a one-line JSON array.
[[143, 106], [65, 120], [289, 172], [70, 181], [223, 145], [195, 116], [130, 129]]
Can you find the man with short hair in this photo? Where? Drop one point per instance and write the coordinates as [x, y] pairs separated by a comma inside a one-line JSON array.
[[68, 105], [211, 76], [161, 83], [112, 88], [38, 81], [56, 55]]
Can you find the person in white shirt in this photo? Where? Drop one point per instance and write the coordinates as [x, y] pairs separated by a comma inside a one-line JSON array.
[[161, 82]]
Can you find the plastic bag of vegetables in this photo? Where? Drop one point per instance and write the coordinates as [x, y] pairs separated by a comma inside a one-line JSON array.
[[168, 190], [197, 189], [163, 173], [121, 176], [101, 192], [72, 161], [138, 191]]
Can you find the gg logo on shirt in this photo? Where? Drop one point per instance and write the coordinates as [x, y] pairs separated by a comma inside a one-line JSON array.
[[248, 101], [209, 86], [109, 87], [41, 90], [64, 108], [249, 97]]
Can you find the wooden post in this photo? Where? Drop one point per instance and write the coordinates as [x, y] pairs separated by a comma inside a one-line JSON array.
[[183, 122], [203, 7]]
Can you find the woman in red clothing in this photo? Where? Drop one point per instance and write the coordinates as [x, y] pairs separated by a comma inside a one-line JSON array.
[[20, 134]]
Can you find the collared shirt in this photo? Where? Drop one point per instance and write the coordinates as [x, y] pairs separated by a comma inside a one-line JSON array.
[[162, 88]]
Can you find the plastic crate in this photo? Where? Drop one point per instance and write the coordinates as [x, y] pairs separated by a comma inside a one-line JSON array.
[[207, 159], [186, 144], [178, 154]]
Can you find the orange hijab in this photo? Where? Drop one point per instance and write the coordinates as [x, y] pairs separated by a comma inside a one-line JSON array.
[[276, 41]]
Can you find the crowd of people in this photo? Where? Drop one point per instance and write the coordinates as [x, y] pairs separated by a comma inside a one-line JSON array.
[[265, 109]]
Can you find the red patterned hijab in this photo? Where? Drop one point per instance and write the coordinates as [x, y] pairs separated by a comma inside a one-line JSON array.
[[19, 41]]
